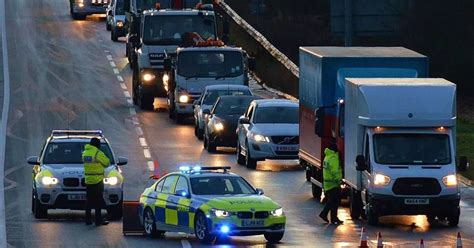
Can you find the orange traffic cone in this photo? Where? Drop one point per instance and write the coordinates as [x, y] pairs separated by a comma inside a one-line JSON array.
[[459, 241], [379, 240], [422, 244], [363, 239]]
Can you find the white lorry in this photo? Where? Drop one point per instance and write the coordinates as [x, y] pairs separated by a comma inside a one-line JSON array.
[[400, 148]]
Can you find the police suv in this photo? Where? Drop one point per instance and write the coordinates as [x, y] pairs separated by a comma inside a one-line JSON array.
[[58, 174], [209, 202]]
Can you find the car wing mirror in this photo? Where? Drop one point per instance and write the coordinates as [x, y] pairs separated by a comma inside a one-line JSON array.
[[33, 160], [463, 164], [206, 111], [259, 191], [122, 161], [244, 120], [361, 165]]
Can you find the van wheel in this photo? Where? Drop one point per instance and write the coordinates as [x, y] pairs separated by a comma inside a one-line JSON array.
[[453, 219], [149, 224], [355, 204], [372, 216], [145, 101], [316, 191]]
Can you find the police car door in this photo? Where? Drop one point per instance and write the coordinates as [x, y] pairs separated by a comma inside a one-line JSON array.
[[165, 211], [182, 200]]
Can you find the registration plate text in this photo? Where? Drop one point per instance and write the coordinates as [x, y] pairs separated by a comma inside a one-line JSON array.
[[253, 223], [412, 201], [76, 197]]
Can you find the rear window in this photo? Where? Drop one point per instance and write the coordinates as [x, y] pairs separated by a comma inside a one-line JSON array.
[[70, 152]]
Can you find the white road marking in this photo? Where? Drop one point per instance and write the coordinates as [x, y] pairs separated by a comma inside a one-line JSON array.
[[124, 87], [185, 243], [143, 142], [151, 165], [109, 57], [112, 64], [3, 127], [139, 131], [130, 102], [119, 78], [146, 153], [116, 71], [132, 111], [126, 94], [106, 51]]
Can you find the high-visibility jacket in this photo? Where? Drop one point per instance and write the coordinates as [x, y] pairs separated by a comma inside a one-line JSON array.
[[332, 172], [95, 162]]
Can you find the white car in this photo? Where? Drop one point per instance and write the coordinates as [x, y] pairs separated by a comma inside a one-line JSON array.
[[116, 19], [268, 130], [209, 97]]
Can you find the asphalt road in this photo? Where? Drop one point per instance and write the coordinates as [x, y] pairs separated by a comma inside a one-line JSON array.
[[68, 74]]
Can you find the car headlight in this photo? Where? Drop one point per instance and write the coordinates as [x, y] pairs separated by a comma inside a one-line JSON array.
[[381, 180], [450, 180], [183, 98], [49, 181], [220, 213], [260, 138], [165, 78], [218, 126], [119, 24], [81, 5], [277, 212], [111, 180], [148, 77]]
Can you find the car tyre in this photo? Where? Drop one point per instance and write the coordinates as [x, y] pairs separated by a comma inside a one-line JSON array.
[[453, 218], [108, 27], [240, 157], [249, 161], [198, 132], [316, 191], [149, 225], [372, 216], [40, 211], [274, 237], [355, 205], [113, 35], [115, 212], [201, 229]]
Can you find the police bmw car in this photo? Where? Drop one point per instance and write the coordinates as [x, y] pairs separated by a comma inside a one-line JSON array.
[[58, 174], [209, 202]]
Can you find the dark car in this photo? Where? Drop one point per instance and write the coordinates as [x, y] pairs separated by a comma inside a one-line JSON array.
[[222, 122]]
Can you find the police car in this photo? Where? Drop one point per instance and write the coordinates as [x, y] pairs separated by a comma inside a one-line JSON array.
[[58, 174], [209, 202]]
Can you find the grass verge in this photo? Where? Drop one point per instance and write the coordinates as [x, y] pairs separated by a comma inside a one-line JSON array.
[[465, 144]]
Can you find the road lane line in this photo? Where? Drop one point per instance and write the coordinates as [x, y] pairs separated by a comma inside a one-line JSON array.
[[113, 64], [116, 71], [143, 142], [185, 243], [132, 111], [130, 102], [3, 127], [106, 51], [119, 78], [146, 153], [151, 165], [124, 87], [109, 57], [139, 131], [126, 94]]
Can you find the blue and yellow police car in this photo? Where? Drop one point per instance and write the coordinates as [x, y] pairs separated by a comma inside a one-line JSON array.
[[209, 202]]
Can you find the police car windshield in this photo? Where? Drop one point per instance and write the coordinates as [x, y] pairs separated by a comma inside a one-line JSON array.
[[171, 29], [213, 64], [70, 152], [220, 185], [232, 105], [211, 96], [276, 115]]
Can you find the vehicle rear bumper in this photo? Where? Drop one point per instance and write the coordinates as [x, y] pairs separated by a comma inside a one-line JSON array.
[[262, 151], [392, 205]]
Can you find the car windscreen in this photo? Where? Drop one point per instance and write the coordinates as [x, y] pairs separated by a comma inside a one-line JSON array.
[[412, 149], [171, 29], [232, 105], [214, 64], [119, 7], [220, 185], [151, 4], [274, 114], [70, 152], [211, 95]]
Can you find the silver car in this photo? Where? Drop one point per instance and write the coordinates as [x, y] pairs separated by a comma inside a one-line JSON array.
[[116, 19], [58, 174], [207, 100]]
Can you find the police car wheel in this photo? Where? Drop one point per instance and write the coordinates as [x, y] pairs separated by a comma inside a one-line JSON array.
[[41, 211], [149, 224], [201, 229], [274, 237]]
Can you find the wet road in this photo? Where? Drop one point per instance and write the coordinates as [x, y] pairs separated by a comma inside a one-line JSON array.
[[68, 74]]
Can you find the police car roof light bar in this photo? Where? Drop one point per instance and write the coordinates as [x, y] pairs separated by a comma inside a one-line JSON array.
[[77, 133], [214, 168]]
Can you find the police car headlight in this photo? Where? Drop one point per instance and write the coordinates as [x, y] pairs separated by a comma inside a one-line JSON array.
[[148, 77], [49, 181], [111, 180], [260, 138], [183, 98], [220, 213], [277, 212]]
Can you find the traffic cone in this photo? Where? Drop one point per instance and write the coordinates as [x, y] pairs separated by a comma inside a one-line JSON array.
[[422, 244], [363, 239], [459, 241], [379, 240]]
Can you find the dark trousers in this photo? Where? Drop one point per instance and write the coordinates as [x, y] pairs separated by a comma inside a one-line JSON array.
[[94, 200], [332, 204]]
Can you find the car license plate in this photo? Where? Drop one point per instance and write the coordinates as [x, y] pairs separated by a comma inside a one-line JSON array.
[[76, 197], [253, 223], [286, 148], [417, 201]]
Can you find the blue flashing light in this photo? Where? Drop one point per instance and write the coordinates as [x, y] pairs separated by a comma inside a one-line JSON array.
[[184, 168], [197, 168], [225, 229]]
